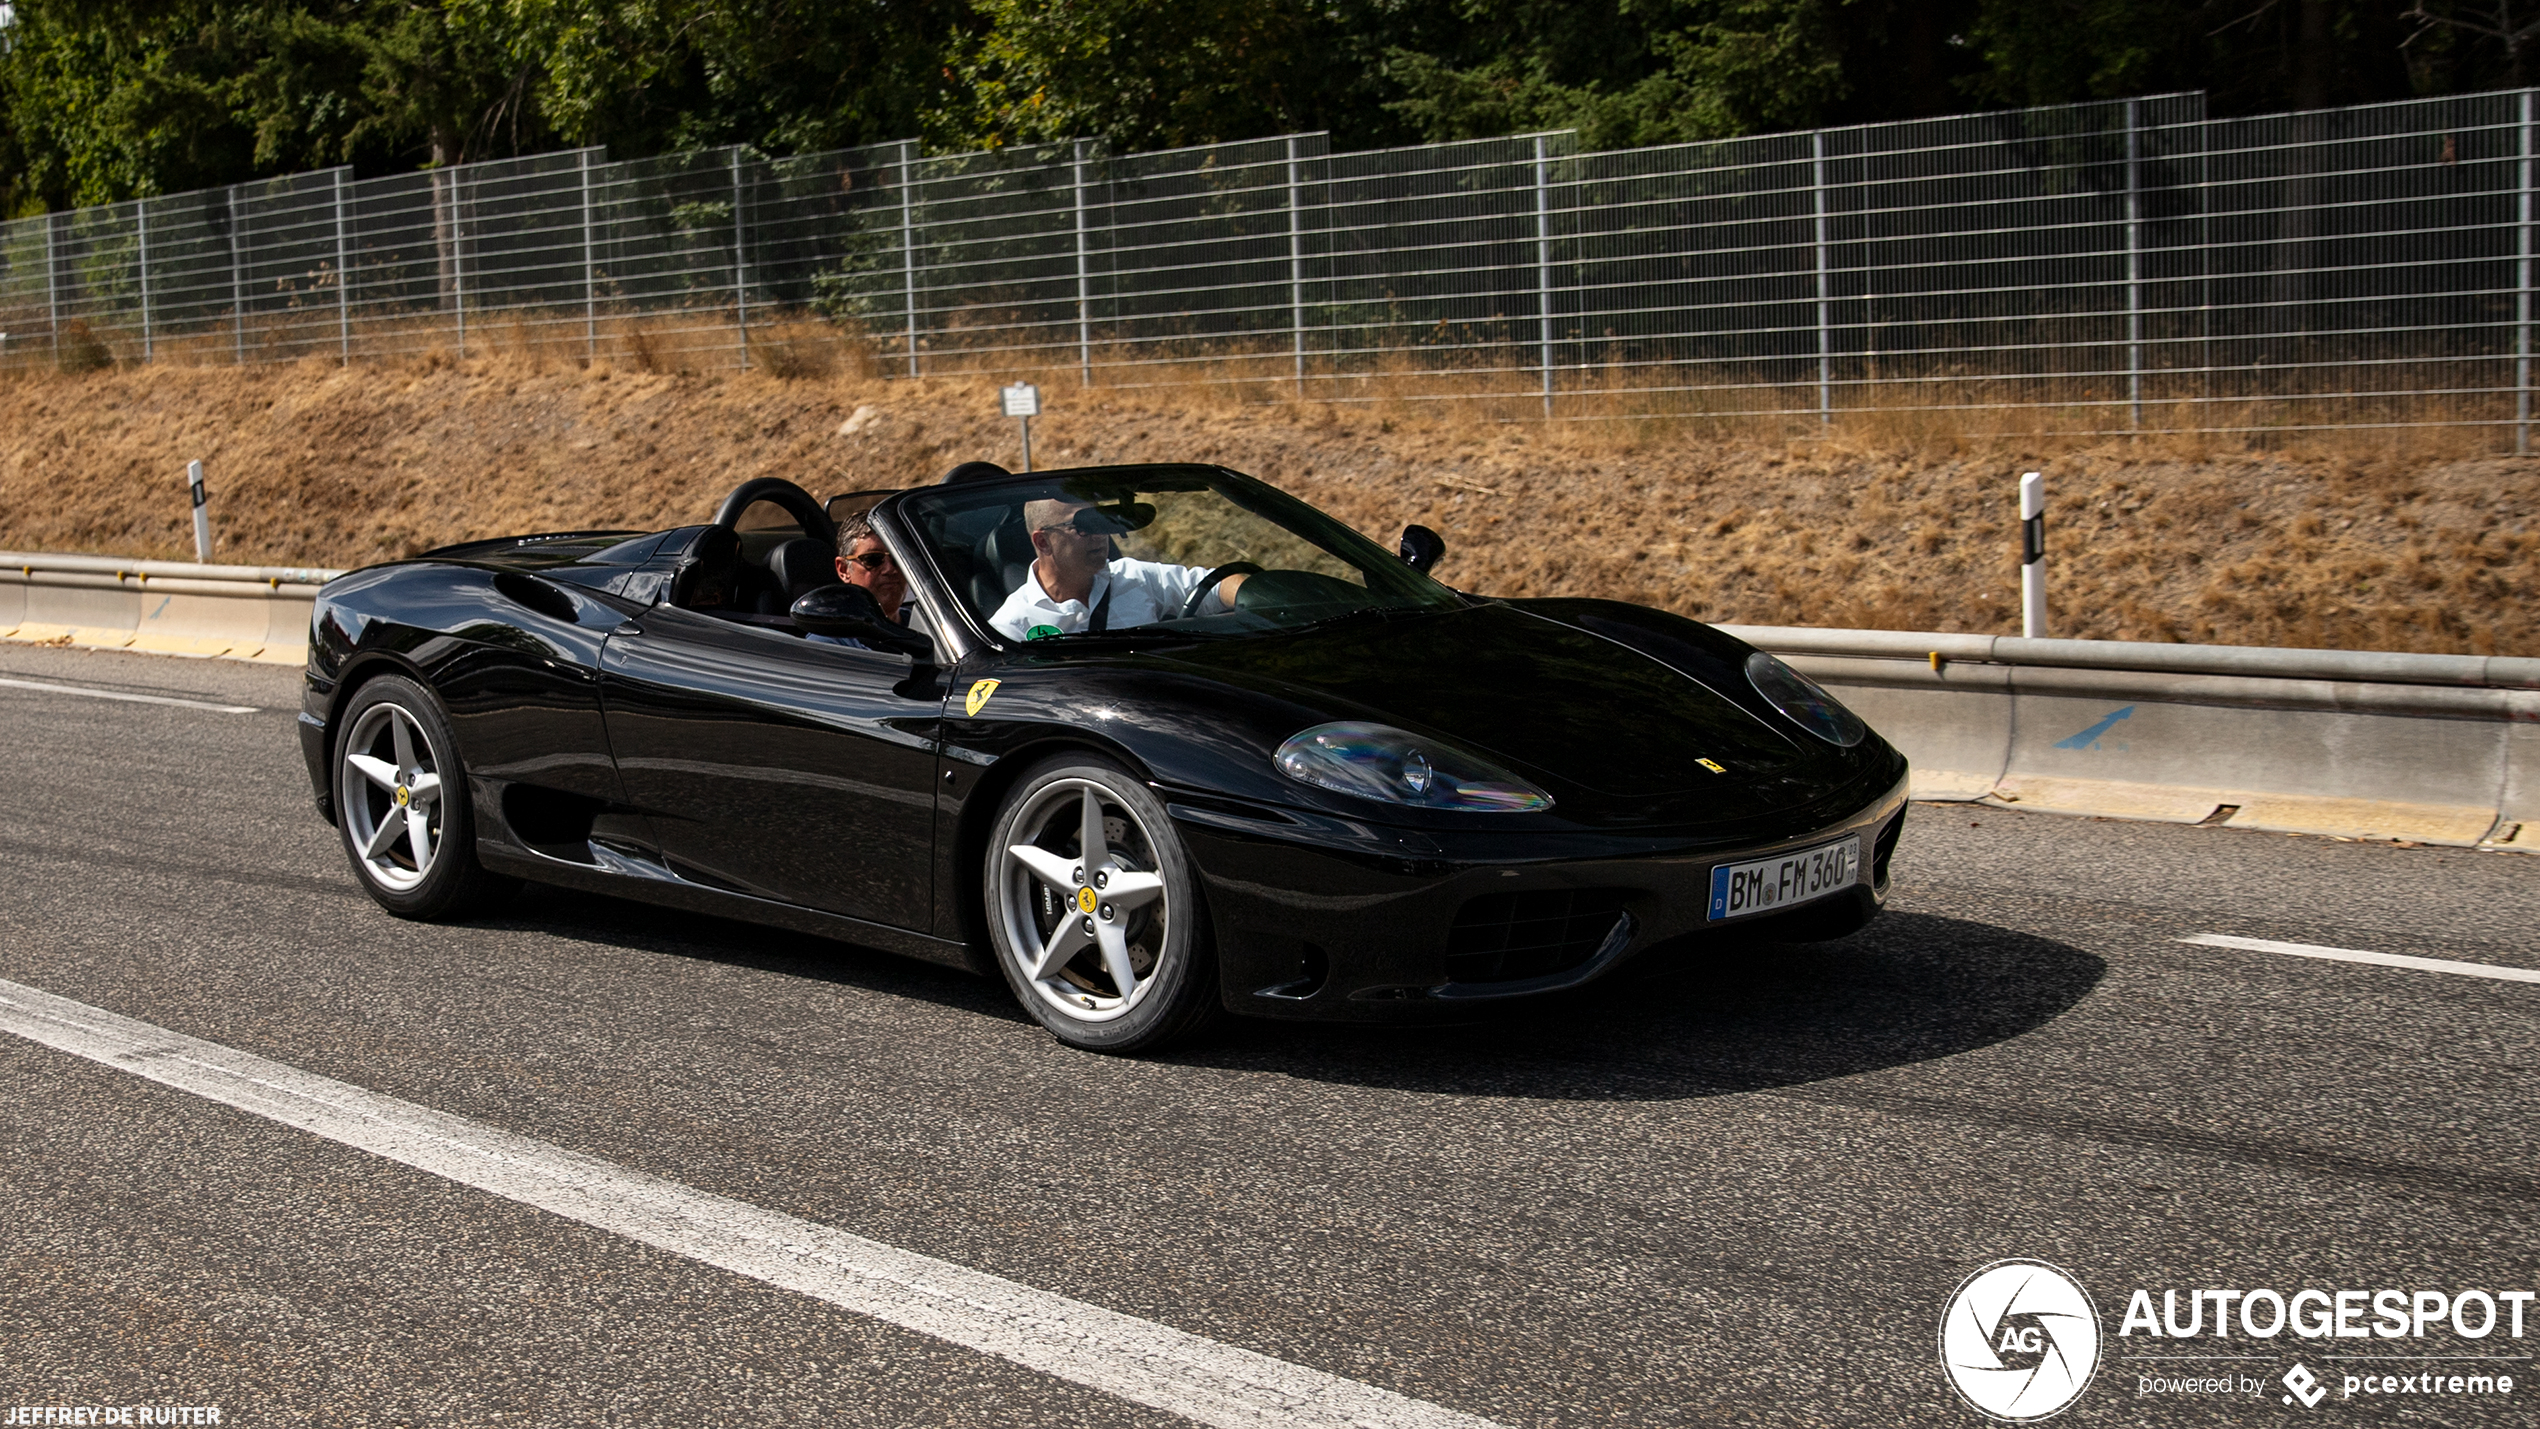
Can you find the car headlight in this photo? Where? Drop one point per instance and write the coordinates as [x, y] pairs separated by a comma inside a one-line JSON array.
[[1377, 761], [1808, 706]]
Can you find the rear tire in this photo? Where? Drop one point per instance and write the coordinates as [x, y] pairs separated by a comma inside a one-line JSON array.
[[1111, 951], [401, 805]]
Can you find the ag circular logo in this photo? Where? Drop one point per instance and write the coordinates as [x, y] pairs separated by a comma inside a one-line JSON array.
[[2020, 1340]]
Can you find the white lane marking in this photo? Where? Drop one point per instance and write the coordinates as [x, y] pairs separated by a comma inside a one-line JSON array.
[[2358, 955], [120, 695], [1137, 1360]]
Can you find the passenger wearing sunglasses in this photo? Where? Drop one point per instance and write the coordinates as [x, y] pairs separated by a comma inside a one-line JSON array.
[[864, 561], [1074, 585]]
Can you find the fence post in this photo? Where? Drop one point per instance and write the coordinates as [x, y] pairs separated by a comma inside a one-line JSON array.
[[1825, 305], [53, 287], [2134, 259], [1296, 271], [141, 226], [458, 261], [1084, 293], [908, 246], [237, 280], [590, 280], [343, 283], [2522, 287], [1543, 273], [740, 264]]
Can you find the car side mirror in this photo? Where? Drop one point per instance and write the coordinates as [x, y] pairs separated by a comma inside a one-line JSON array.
[[850, 612], [1422, 547]]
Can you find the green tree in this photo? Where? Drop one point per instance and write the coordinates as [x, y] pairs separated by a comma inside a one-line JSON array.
[[1165, 73], [113, 101], [2249, 56], [786, 76], [1626, 72]]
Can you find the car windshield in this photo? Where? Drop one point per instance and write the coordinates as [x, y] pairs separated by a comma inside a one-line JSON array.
[[1200, 549]]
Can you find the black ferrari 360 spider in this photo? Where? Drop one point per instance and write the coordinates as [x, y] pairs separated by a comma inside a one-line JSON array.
[[1147, 741]]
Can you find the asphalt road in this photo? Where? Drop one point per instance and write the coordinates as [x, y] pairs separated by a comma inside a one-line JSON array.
[[1733, 1192]]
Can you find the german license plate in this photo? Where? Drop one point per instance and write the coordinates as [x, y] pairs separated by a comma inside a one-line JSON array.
[[1785, 880]]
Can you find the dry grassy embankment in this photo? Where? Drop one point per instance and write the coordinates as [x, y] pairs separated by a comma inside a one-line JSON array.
[[2367, 540]]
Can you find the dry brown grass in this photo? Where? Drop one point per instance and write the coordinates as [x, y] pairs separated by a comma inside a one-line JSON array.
[[2400, 538]]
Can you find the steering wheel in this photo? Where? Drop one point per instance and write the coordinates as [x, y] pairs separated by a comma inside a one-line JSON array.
[[1209, 583]]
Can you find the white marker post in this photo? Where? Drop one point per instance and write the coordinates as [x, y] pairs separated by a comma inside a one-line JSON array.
[[2033, 555], [202, 515], [1023, 400]]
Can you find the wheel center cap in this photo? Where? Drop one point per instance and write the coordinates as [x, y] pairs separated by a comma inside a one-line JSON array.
[[402, 795], [1085, 900]]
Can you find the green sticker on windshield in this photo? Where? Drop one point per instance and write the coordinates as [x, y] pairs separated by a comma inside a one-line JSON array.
[[1042, 632]]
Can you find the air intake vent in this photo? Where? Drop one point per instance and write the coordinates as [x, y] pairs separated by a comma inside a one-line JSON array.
[[1502, 937]]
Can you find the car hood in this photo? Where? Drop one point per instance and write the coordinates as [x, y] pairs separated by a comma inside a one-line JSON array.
[[1577, 712]]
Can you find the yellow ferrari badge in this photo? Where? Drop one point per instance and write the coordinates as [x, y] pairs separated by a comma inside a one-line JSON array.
[[1714, 768], [979, 693], [1085, 899]]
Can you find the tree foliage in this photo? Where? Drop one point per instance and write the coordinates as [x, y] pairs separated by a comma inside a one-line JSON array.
[[107, 99]]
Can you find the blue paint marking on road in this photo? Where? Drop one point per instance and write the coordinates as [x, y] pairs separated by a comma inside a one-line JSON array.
[[2089, 738]]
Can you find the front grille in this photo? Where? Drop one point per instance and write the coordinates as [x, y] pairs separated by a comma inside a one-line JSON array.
[[1501, 937]]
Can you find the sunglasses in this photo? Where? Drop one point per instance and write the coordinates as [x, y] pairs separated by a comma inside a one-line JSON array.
[[873, 560]]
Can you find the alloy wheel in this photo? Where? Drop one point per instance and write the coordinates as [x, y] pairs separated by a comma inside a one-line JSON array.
[[388, 789]]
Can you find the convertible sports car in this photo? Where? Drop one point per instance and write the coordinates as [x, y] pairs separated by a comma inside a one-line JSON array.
[[1255, 762]]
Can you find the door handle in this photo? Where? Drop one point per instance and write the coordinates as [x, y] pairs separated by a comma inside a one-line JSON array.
[[628, 628]]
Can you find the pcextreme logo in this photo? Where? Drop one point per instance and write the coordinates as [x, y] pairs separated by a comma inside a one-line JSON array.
[[2019, 1341]]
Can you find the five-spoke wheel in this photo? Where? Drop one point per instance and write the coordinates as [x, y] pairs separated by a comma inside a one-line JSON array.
[[401, 804], [390, 792], [1092, 910]]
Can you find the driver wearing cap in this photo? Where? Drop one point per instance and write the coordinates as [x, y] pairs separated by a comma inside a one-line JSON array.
[[1074, 587]]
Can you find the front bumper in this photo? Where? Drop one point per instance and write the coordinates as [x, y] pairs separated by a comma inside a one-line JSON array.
[[1358, 923]]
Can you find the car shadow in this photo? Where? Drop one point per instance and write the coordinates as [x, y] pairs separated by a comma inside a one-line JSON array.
[[671, 932], [1910, 988]]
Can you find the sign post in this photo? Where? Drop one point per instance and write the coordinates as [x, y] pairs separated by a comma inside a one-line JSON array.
[[202, 515], [1023, 400]]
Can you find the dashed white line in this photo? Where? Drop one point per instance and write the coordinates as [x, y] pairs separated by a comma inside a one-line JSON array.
[[1137, 1360], [2358, 955], [123, 695]]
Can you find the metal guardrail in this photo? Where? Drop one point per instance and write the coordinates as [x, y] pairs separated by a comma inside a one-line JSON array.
[[2130, 265], [113, 572], [2358, 744]]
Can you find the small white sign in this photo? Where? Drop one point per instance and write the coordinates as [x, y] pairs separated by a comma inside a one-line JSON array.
[[1022, 400]]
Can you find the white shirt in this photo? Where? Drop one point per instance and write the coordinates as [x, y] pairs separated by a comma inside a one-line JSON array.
[[1142, 593]]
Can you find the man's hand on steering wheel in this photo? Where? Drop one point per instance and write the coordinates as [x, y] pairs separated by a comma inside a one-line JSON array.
[[1209, 582]]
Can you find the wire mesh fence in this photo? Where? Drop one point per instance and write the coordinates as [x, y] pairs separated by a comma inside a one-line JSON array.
[[2124, 266]]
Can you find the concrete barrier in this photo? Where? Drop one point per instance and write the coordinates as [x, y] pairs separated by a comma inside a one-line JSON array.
[[166, 607], [2359, 744]]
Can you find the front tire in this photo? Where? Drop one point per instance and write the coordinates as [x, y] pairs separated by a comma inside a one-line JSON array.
[[401, 805], [1094, 912]]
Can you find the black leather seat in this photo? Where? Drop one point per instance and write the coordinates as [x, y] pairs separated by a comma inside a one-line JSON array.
[[1004, 557], [802, 564], [710, 577]]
